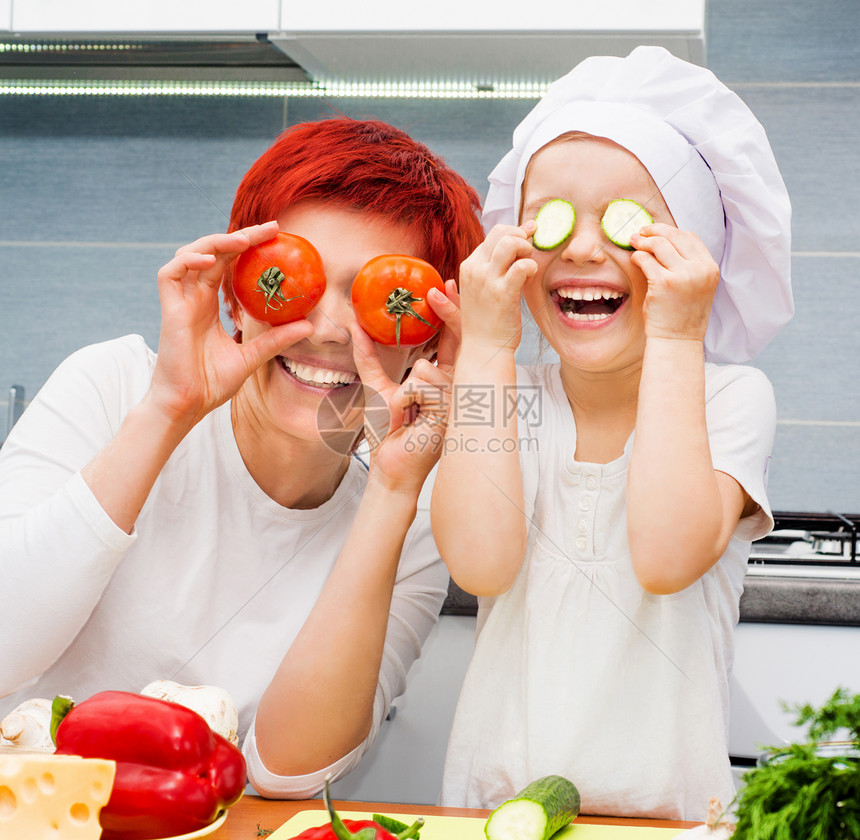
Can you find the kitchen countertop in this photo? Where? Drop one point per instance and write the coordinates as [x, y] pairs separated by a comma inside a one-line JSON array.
[[781, 597], [252, 813]]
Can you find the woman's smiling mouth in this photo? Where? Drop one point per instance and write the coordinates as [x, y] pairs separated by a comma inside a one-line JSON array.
[[587, 303], [317, 377]]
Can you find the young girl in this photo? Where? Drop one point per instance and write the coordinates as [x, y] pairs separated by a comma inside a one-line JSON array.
[[602, 508]]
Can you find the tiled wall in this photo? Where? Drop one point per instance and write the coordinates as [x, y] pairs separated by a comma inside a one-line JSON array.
[[97, 193]]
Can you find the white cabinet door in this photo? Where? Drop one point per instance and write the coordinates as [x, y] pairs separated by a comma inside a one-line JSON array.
[[143, 16], [682, 16]]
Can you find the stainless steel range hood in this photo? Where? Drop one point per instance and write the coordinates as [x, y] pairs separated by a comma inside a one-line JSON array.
[[137, 57], [456, 41], [380, 43]]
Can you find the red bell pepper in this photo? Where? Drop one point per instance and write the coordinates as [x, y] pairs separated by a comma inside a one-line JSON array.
[[174, 774], [339, 829]]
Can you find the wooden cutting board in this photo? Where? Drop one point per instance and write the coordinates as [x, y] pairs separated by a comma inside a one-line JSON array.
[[472, 828]]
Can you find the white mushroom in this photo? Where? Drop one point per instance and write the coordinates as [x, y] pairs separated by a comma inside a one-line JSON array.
[[28, 725], [213, 704]]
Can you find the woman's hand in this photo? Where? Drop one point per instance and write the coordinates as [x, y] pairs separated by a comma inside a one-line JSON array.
[[199, 365], [320, 702], [403, 453], [682, 279], [491, 282]]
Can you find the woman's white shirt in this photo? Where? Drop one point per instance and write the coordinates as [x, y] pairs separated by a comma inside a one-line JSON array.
[[211, 587]]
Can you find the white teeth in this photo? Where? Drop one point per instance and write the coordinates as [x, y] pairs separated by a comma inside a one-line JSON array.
[[588, 294], [579, 316], [319, 376]]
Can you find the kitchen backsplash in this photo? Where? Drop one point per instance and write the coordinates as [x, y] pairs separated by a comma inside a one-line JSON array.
[[97, 193]]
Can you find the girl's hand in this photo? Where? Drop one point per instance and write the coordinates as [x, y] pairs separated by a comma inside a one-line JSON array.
[[447, 307], [491, 282], [199, 365], [402, 455], [682, 279]]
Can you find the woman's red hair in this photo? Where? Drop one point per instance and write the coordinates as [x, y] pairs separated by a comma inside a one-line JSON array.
[[369, 166]]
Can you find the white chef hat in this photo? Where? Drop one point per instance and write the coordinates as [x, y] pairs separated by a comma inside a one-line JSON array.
[[712, 162]]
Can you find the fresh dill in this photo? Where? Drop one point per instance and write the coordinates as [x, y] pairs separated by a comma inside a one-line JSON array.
[[805, 790]]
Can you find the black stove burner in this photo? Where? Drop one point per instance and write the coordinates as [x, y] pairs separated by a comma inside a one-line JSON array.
[[816, 539]]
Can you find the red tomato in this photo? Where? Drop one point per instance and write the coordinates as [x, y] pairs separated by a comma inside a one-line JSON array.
[[280, 280], [389, 296]]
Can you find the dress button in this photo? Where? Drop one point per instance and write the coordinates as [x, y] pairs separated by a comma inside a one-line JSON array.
[[582, 526], [591, 482], [581, 543], [585, 503]]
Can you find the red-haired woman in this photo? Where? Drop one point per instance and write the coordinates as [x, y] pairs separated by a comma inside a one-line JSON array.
[[180, 515]]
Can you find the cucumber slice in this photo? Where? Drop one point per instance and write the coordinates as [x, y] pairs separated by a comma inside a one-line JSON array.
[[554, 223], [537, 812], [623, 218]]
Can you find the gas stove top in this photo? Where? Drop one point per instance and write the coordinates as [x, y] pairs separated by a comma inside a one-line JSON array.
[[809, 544]]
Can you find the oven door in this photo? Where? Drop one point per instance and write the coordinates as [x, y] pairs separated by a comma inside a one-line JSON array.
[[799, 632]]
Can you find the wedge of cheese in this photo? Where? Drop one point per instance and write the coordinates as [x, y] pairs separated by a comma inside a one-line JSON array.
[[52, 797]]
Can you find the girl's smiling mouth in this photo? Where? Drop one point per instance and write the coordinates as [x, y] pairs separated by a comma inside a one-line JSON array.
[[588, 303], [317, 377]]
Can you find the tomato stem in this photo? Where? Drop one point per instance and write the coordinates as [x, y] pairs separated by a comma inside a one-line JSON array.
[[399, 303], [269, 283]]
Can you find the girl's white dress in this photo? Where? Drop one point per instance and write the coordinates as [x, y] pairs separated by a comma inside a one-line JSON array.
[[577, 670]]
